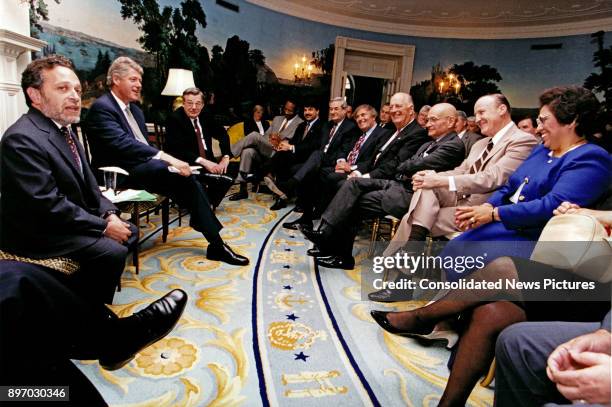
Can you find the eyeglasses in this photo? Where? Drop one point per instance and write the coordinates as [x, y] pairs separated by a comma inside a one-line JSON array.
[[434, 119], [541, 120], [193, 104]]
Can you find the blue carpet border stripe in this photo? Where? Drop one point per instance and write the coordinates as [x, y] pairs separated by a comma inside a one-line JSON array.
[[354, 364], [258, 364]]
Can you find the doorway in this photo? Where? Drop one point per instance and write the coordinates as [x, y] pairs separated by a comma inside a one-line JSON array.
[[370, 71]]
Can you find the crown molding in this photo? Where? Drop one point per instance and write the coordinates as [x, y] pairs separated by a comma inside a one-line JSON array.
[[518, 31], [15, 44]]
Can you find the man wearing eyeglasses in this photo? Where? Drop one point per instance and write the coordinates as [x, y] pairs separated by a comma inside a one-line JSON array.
[[440, 196], [367, 197], [189, 134]]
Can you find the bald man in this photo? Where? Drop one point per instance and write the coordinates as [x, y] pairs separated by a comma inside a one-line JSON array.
[[361, 197], [487, 167]]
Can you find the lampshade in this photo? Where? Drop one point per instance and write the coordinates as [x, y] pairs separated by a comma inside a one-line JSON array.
[[178, 81]]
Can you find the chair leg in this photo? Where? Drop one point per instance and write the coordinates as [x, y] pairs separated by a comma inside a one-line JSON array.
[[394, 223], [490, 375], [165, 219], [374, 236], [136, 249]]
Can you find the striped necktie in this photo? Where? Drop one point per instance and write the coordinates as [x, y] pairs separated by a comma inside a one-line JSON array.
[[352, 157], [134, 126], [477, 166]]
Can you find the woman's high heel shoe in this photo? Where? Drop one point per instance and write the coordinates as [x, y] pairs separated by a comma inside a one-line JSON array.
[[380, 317]]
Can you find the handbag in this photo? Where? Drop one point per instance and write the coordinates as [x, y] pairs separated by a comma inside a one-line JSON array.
[[577, 243]]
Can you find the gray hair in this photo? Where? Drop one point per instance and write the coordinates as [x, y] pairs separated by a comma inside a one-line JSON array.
[[339, 99], [121, 67], [461, 114], [368, 108], [194, 92], [424, 108], [471, 119]]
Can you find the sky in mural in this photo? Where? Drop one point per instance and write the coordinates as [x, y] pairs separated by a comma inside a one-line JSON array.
[[283, 39]]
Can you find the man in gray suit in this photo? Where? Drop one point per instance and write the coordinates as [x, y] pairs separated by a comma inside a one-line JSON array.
[[468, 138], [553, 362], [488, 166], [255, 148]]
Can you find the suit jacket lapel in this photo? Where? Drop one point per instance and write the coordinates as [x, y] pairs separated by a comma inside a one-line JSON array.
[[503, 141], [371, 140], [57, 139], [124, 122]]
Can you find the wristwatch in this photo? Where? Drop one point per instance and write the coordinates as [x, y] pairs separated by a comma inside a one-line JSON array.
[[109, 213]]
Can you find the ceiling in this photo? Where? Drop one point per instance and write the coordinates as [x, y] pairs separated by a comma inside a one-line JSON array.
[[456, 19]]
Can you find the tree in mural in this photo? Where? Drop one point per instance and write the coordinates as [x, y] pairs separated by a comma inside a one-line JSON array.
[[460, 85], [476, 80], [602, 82], [38, 11], [168, 34]]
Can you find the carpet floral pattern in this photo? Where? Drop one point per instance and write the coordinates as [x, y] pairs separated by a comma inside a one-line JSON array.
[[278, 332]]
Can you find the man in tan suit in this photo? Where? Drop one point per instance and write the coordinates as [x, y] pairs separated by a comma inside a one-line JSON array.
[[487, 167]]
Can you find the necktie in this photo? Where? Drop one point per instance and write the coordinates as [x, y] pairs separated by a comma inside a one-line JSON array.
[[429, 149], [478, 164], [352, 157], [201, 146], [306, 129], [331, 136], [283, 126], [384, 147], [134, 126], [73, 147]]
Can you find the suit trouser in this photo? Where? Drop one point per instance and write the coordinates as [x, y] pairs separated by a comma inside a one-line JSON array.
[[283, 165], [154, 176], [216, 188], [521, 353], [43, 324], [358, 198], [101, 266], [252, 149]]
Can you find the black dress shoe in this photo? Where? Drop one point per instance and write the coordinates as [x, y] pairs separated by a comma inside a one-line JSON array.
[[239, 195], [220, 178], [317, 252], [300, 221], [424, 332], [317, 237], [143, 328], [222, 252], [298, 209], [387, 295], [280, 203], [336, 262]]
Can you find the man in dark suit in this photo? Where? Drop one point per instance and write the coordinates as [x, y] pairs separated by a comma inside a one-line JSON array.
[[369, 197], [338, 137], [116, 130], [51, 204], [468, 138], [291, 154], [189, 134], [385, 118], [402, 144], [359, 159], [44, 324]]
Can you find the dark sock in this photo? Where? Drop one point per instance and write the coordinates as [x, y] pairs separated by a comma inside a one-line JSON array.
[[418, 233], [243, 188], [215, 241]]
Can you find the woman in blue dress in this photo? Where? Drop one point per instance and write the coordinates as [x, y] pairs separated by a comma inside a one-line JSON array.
[[565, 168]]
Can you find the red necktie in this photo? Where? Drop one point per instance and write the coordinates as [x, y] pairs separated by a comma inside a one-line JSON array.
[[73, 148], [352, 157], [201, 147]]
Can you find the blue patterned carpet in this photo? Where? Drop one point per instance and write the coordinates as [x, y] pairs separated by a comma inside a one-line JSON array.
[[278, 332]]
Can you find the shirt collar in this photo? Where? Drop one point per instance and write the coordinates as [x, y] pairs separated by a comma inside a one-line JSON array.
[[501, 133], [122, 105], [460, 135]]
